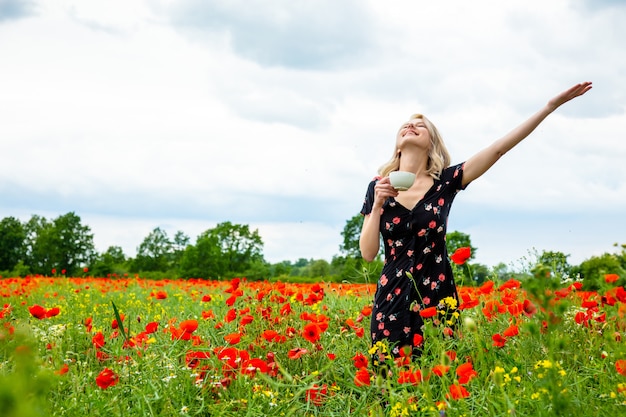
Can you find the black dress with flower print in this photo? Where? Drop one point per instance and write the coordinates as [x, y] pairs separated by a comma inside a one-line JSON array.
[[414, 241]]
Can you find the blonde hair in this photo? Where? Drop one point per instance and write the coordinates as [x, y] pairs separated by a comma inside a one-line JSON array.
[[438, 155]]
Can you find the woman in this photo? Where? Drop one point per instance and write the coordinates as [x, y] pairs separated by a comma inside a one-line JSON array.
[[417, 272]]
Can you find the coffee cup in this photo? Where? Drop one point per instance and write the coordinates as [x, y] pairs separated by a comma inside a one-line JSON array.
[[401, 180]]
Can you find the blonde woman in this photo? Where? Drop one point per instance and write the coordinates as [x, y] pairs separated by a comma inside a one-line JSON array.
[[417, 274]]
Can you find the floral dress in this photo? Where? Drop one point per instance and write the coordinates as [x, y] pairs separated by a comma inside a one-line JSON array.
[[415, 242]]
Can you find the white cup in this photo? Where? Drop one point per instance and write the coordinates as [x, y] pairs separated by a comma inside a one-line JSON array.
[[401, 180]]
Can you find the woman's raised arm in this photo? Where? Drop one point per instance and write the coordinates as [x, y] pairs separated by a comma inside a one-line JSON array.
[[478, 164]]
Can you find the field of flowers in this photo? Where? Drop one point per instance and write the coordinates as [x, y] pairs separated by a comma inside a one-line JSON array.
[[134, 347]]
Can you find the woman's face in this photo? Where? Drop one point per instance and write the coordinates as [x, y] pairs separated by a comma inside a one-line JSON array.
[[414, 132]]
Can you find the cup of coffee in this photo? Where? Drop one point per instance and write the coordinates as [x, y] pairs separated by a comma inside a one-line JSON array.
[[401, 180]]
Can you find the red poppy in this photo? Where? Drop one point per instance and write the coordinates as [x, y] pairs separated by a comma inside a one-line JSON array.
[[362, 377], [254, 365], [428, 312], [233, 338], [230, 315], [360, 360], [461, 255], [529, 308], [107, 378], [620, 366], [366, 310], [410, 377], [189, 326], [440, 370], [312, 332], [418, 339], [98, 340], [63, 370], [297, 353], [37, 311], [498, 340], [269, 335], [458, 391], [206, 298], [610, 278], [54, 311], [466, 372], [152, 327], [316, 394], [511, 331]]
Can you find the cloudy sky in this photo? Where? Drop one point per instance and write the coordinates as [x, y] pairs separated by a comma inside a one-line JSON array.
[[137, 114]]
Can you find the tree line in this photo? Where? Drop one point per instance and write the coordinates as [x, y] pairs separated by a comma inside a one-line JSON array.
[[64, 246]]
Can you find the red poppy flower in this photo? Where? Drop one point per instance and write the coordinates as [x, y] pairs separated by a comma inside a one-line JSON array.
[[620, 366], [360, 360], [511, 331], [297, 353], [498, 340], [428, 312], [63, 370], [98, 340], [189, 326], [54, 311], [316, 394], [230, 315], [440, 370], [152, 327], [245, 320], [37, 311], [410, 377], [269, 335], [362, 377], [458, 391], [366, 310], [461, 255], [233, 338], [418, 339], [529, 308], [466, 372], [312, 332], [610, 278], [206, 298], [107, 378], [254, 365]]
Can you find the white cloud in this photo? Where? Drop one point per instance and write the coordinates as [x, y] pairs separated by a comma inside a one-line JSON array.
[[134, 112]]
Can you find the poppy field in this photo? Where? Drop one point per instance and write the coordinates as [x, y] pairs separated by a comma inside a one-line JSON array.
[[135, 347]]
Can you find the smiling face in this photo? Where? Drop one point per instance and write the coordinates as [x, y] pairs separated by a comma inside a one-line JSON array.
[[414, 132]]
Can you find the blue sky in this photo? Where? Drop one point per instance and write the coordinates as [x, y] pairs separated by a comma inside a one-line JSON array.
[[138, 114]]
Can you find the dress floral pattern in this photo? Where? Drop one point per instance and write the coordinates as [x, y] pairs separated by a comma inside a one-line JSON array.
[[415, 242]]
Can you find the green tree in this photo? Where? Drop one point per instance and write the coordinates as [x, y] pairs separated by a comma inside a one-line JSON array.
[[75, 248], [12, 243], [556, 262], [38, 256], [595, 268], [154, 253], [351, 234], [63, 244], [319, 268], [240, 248], [179, 243], [109, 262], [202, 260]]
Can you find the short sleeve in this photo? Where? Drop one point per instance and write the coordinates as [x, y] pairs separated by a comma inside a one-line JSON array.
[[368, 202], [454, 176]]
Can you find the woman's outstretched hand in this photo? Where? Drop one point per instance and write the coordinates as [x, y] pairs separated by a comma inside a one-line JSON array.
[[567, 95]]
